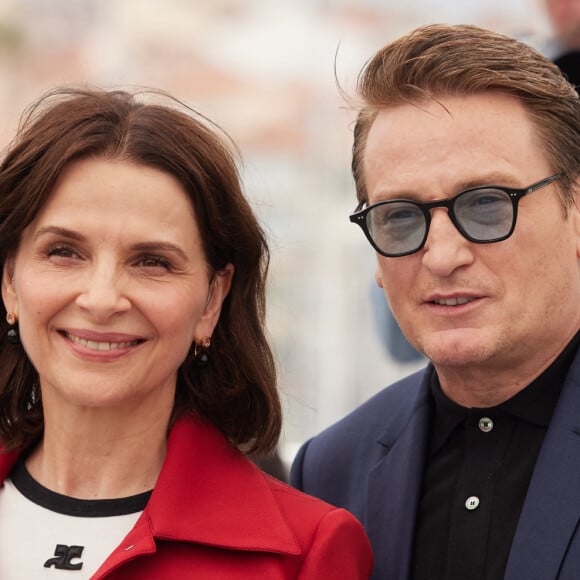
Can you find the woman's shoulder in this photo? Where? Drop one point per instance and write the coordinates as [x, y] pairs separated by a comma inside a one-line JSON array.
[[304, 512], [328, 535]]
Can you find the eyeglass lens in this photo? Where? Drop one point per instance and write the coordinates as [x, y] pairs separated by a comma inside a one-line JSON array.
[[482, 215]]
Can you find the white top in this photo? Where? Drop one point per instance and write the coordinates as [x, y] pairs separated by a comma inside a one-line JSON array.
[[47, 535]]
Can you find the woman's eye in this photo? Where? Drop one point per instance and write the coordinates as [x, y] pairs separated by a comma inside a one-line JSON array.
[[62, 251], [153, 262]]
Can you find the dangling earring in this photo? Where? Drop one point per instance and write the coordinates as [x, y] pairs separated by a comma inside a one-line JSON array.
[[200, 352], [12, 335]]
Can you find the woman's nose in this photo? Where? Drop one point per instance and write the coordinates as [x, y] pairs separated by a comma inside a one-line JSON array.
[[103, 292]]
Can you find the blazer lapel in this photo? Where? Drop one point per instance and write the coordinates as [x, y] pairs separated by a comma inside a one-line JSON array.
[[394, 485], [552, 507]]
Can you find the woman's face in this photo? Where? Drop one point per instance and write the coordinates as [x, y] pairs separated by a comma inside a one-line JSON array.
[[110, 287]]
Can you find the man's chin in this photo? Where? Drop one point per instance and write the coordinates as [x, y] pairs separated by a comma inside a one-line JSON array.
[[456, 348]]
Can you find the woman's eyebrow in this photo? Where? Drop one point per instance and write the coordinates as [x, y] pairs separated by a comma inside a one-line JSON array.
[[60, 231], [159, 246], [148, 246]]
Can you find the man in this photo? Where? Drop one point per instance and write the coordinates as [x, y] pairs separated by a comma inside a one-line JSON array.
[[466, 160], [564, 17]]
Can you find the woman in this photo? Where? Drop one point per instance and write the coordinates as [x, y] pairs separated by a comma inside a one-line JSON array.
[[134, 365]]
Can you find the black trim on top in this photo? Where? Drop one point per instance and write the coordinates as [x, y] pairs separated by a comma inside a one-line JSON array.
[[70, 506]]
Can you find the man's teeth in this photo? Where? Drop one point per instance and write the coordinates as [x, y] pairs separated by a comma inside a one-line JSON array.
[[93, 345], [453, 301]]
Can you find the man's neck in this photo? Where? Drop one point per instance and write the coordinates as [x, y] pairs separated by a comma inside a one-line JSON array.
[[487, 386]]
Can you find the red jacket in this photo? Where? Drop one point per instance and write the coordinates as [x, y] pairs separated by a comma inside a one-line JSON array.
[[214, 515]]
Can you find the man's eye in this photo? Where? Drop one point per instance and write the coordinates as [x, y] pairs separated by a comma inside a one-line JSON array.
[[490, 198], [402, 214]]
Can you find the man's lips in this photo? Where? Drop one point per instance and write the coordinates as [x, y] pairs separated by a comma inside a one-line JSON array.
[[456, 301], [452, 298]]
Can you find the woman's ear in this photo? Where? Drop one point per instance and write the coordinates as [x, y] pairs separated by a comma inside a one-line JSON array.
[[218, 290], [9, 296]]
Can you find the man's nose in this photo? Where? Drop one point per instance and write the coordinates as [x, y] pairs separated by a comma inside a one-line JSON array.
[[445, 249]]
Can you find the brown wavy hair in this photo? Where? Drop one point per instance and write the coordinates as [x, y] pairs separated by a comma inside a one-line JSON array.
[[237, 390], [441, 60]]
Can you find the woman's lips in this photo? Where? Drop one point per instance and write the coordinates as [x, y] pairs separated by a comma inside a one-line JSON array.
[[101, 342], [101, 345]]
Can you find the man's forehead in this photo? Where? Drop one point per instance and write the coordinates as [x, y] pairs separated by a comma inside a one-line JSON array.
[[458, 141]]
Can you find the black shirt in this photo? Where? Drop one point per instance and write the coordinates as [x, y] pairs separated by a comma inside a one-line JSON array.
[[479, 466], [569, 64]]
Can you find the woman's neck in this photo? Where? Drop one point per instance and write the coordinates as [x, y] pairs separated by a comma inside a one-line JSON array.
[[96, 455]]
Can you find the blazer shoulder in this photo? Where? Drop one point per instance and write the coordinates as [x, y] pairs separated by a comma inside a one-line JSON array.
[[368, 421], [330, 464]]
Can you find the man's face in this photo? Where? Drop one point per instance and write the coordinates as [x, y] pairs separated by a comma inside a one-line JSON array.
[[507, 305], [565, 18]]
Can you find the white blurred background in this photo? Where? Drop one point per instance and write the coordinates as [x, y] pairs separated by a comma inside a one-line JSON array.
[[264, 70]]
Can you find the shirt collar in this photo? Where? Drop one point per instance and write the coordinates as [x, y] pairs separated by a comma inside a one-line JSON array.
[[534, 404]]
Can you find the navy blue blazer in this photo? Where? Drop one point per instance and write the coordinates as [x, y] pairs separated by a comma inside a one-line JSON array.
[[371, 463]]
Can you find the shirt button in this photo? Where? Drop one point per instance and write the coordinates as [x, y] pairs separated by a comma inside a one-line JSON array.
[[486, 424], [472, 502]]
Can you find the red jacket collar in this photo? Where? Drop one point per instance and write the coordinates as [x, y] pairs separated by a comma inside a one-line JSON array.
[[208, 492], [7, 461]]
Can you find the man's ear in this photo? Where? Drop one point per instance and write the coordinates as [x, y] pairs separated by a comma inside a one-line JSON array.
[[379, 277], [575, 209]]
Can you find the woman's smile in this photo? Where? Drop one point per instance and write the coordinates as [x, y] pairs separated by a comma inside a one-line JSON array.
[[101, 343]]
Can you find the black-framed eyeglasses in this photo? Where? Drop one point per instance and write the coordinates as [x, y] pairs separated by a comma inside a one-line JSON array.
[[399, 227]]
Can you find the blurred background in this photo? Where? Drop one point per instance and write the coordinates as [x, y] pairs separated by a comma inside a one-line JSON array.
[[265, 71]]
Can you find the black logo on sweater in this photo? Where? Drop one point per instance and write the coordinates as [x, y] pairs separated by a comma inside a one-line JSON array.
[[63, 556]]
